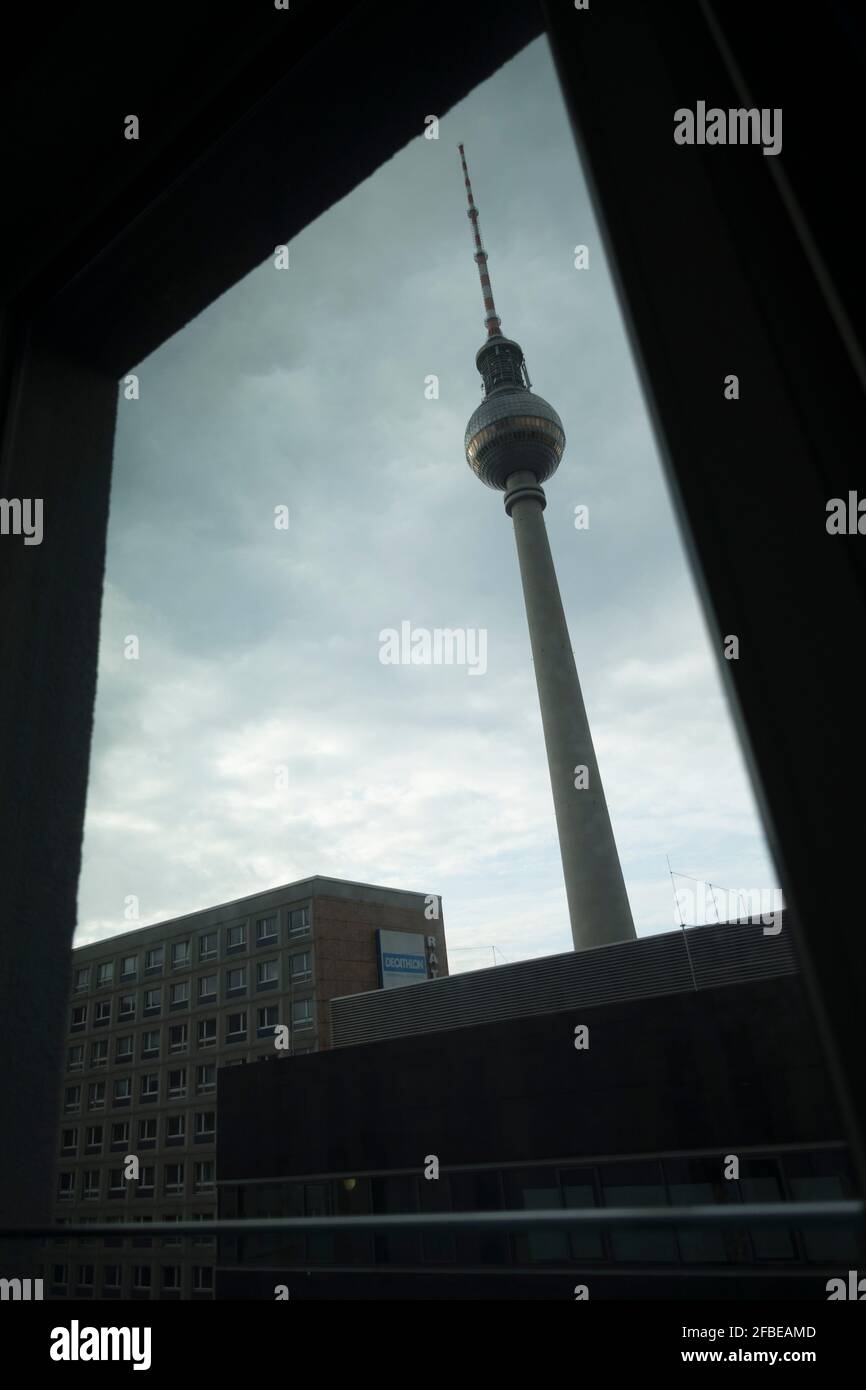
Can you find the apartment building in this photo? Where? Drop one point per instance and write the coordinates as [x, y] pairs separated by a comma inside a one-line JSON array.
[[154, 1015]]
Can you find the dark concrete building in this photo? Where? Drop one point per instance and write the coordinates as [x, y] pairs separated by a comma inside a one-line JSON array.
[[699, 1048], [154, 1016]]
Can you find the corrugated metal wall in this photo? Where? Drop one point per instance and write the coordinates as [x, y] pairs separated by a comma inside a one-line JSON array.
[[670, 963]]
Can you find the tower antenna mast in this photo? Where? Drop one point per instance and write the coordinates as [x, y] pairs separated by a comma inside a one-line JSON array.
[[491, 319]]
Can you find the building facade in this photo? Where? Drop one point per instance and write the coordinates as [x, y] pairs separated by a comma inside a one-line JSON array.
[[632, 1075], [155, 1014]]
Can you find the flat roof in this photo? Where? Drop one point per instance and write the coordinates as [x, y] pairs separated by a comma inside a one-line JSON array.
[[284, 894]]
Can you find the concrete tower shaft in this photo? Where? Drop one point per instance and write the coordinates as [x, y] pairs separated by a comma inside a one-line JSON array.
[[514, 442], [598, 904]]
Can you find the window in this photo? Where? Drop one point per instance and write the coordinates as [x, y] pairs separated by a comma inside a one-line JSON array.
[[150, 1043], [93, 1139], [87, 1221], [207, 988], [236, 981], [267, 973], [208, 946], [128, 967], [79, 1018], [207, 1032], [473, 1191], [179, 954], [103, 1012], [175, 1129], [172, 1240], [82, 978], [205, 1124], [154, 959], [58, 1275], [105, 974], [144, 1242], [72, 1098], [111, 1277], [116, 1183], [85, 1276], [236, 938], [152, 1001], [96, 1095], [123, 1049], [173, 1181], [267, 1020], [120, 1134], [178, 994], [637, 1185], [202, 1278], [299, 921], [302, 1013], [266, 930], [99, 1053], [205, 1077], [204, 1175], [699, 1182], [203, 1240], [75, 1057], [149, 1088], [529, 1189], [146, 1176], [69, 1141], [147, 1133], [300, 966], [141, 1276], [823, 1176], [178, 1037], [579, 1190], [760, 1181], [66, 1187], [236, 1027], [91, 1185], [177, 1082], [122, 1090], [126, 1006], [171, 1278]]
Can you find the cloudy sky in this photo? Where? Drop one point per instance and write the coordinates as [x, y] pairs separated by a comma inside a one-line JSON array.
[[258, 738]]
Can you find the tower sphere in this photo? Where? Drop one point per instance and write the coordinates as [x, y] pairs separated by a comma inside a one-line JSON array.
[[512, 430]]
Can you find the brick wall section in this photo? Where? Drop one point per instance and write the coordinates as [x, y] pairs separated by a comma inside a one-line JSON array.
[[344, 934]]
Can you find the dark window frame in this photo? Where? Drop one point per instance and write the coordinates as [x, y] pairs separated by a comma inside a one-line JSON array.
[[723, 247]]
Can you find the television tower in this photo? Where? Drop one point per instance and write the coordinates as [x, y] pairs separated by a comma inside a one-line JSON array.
[[514, 442]]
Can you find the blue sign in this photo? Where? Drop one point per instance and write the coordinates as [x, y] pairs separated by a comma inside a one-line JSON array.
[[402, 958]]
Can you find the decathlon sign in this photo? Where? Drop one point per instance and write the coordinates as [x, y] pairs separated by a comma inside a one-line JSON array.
[[402, 958]]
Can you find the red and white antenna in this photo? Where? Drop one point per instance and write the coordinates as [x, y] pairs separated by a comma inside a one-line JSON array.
[[491, 319]]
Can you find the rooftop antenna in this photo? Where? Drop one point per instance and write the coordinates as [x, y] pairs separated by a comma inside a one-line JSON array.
[[682, 923]]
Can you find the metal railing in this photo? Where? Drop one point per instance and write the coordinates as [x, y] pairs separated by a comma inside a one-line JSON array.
[[843, 1213]]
